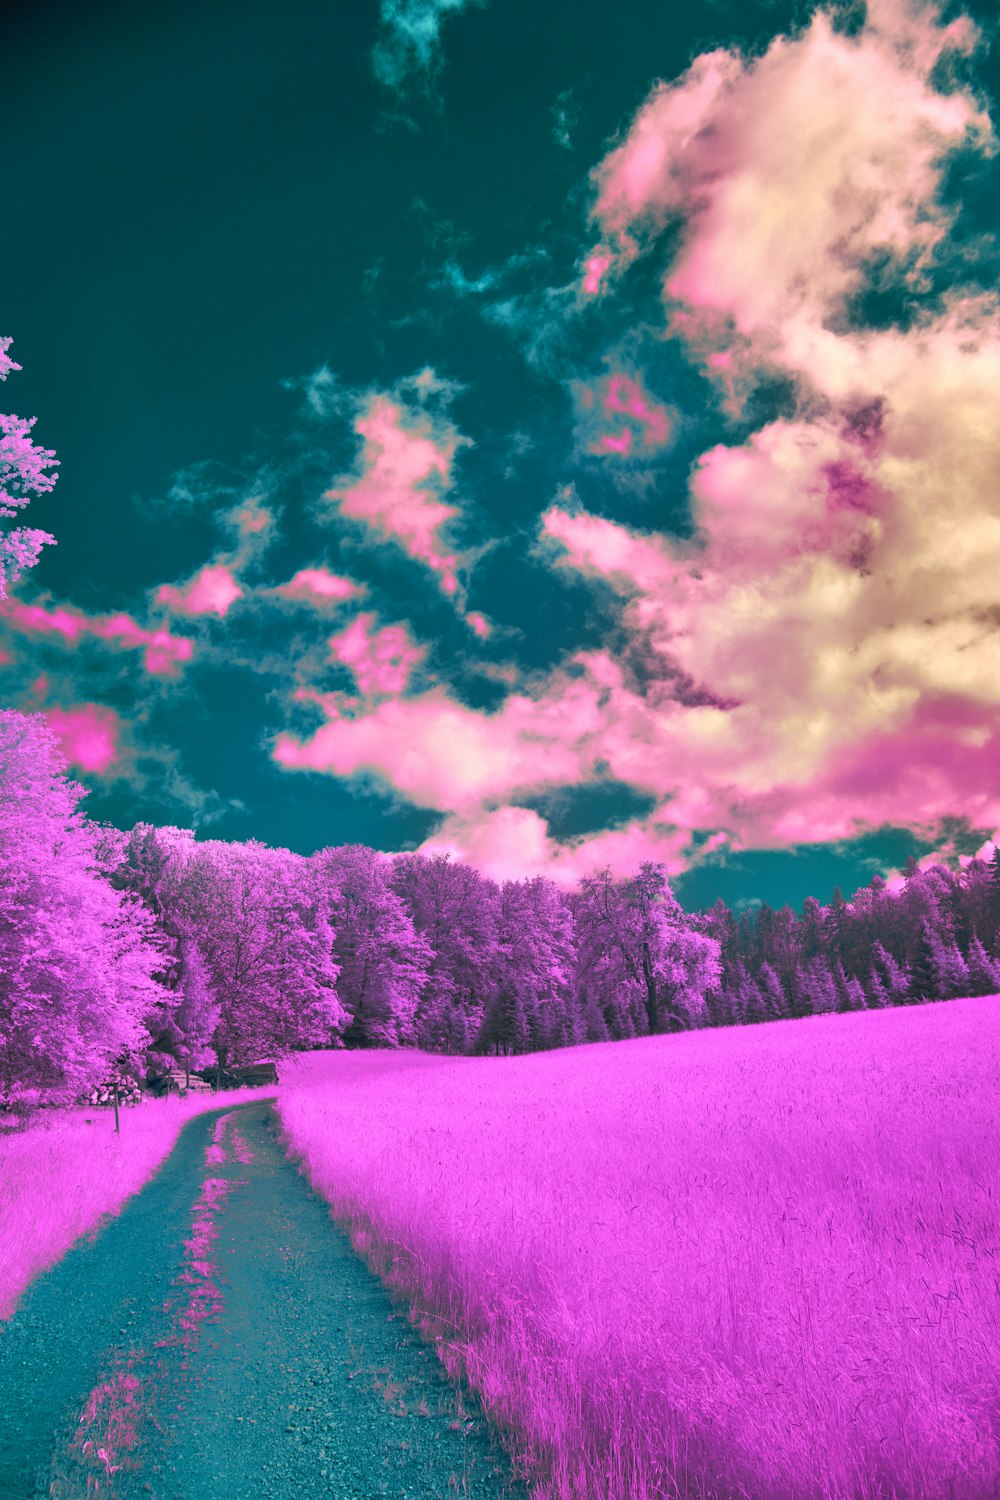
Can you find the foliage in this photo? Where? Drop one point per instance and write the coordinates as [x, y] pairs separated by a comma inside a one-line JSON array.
[[24, 472]]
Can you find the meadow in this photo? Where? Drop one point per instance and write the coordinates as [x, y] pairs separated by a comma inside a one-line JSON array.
[[61, 1177], [759, 1262]]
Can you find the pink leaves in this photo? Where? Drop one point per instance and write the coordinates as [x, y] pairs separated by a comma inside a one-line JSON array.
[[24, 472]]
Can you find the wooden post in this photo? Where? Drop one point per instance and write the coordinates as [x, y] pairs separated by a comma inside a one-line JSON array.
[[117, 1129]]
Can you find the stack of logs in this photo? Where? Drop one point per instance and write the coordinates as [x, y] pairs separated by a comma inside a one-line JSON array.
[[129, 1091]]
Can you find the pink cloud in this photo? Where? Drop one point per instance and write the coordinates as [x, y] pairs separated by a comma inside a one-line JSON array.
[[791, 170], [629, 561], [618, 416], [479, 624], [212, 591], [818, 658], [405, 469], [88, 734], [513, 843], [319, 587], [381, 660], [163, 652], [440, 754], [595, 269]]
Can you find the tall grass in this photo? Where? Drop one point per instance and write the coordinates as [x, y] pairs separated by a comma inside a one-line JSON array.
[[756, 1262], [68, 1170]]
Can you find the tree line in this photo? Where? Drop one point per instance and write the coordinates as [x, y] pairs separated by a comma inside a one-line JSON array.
[[149, 949]]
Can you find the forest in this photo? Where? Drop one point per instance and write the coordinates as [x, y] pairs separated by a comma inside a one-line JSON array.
[[131, 953]]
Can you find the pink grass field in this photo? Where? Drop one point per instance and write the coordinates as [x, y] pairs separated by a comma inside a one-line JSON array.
[[759, 1262], [61, 1177]]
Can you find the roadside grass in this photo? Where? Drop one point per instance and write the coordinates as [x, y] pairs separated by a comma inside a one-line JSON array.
[[61, 1176], [760, 1262]]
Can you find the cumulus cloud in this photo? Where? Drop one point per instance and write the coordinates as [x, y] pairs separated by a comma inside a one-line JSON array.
[[839, 603], [408, 49], [210, 592], [403, 474], [513, 843], [790, 172], [818, 659], [380, 661], [319, 588]]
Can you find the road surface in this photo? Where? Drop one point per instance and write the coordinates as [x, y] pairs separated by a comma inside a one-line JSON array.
[[219, 1340]]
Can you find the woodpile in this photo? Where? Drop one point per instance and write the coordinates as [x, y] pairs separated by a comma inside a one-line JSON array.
[[129, 1091], [257, 1073]]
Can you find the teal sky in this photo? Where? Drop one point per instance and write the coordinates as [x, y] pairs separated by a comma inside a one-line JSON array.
[[232, 240]]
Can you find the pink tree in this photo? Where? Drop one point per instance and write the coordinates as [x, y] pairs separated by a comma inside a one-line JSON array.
[[77, 958], [261, 921], [639, 953], [454, 909], [23, 473], [383, 960], [537, 953]]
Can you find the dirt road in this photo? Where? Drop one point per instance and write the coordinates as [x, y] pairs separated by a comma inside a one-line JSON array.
[[219, 1340]]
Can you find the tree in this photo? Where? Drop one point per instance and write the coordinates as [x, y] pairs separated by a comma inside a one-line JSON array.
[[454, 909], [925, 971], [984, 977], [635, 946], [261, 922], [197, 1013], [892, 981], [817, 988], [77, 958], [382, 959], [23, 473], [773, 994]]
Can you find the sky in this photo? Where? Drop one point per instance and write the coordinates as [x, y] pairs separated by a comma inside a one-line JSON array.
[[563, 440]]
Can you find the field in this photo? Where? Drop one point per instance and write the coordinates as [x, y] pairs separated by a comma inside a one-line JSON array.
[[758, 1262], [61, 1177]]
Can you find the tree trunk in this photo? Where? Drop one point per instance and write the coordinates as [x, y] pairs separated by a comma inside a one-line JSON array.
[[649, 978], [117, 1130]]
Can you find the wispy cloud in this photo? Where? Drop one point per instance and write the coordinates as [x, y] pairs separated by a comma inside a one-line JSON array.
[[408, 50], [565, 118]]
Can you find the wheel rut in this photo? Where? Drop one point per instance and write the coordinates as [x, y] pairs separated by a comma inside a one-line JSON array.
[[220, 1340]]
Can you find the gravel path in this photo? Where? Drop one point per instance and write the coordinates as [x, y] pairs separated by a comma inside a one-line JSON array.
[[219, 1340]]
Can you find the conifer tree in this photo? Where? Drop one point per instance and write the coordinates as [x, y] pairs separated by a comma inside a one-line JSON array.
[[925, 970], [984, 978]]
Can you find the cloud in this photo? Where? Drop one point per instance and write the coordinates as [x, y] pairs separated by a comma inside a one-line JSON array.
[[408, 48], [513, 843], [211, 591], [163, 653], [319, 588], [790, 173], [380, 661], [216, 586], [404, 472], [818, 658], [617, 418], [565, 118], [440, 754], [479, 624], [89, 736]]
